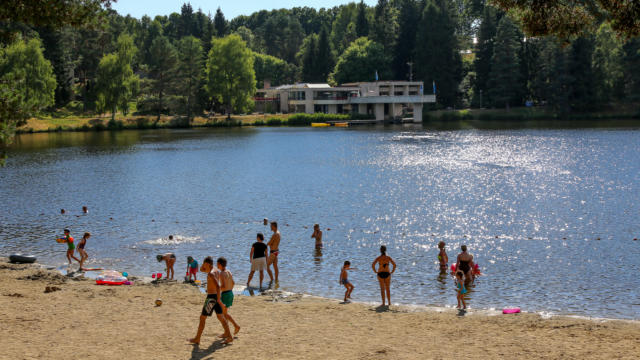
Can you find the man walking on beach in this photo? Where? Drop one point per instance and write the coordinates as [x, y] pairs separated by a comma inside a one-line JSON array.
[[258, 257], [274, 246], [226, 283], [212, 303]]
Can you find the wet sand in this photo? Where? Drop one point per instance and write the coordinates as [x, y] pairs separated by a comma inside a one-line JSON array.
[[82, 320]]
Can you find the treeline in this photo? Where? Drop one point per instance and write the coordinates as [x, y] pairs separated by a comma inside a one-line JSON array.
[[165, 66]]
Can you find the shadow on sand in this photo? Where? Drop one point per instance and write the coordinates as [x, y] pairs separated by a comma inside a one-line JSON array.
[[201, 353]]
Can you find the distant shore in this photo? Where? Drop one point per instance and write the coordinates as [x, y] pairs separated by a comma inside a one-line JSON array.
[[515, 116], [83, 320]]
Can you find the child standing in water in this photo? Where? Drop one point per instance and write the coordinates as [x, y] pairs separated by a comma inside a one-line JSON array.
[[442, 257], [192, 268], [460, 289], [317, 234], [71, 248], [81, 251], [344, 280]]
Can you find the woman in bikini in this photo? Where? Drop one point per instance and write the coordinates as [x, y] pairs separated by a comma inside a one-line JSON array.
[[383, 273], [465, 264]]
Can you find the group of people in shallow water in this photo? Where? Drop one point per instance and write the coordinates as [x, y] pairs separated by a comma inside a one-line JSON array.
[[264, 256]]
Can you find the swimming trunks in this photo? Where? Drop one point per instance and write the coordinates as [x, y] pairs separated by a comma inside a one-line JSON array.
[[384, 274], [81, 245], [227, 298], [193, 271], [275, 252], [345, 281], [173, 256], [464, 266], [211, 305]]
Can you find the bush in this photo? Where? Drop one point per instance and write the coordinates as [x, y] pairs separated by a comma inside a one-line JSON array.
[[274, 122], [115, 125], [258, 123]]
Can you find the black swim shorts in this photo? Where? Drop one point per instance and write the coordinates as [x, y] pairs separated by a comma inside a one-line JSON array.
[[210, 305]]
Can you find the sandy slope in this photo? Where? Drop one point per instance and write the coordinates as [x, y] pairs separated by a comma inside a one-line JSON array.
[[86, 321]]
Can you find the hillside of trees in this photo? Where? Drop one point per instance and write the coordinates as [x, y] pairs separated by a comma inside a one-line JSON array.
[[476, 55]]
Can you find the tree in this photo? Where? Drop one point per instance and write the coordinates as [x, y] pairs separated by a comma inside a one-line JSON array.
[[276, 70], [504, 79], [220, 23], [162, 71], [115, 82], [58, 49], [607, 65], [362, 24], [190, 72], [385, 25], [484, 53], [230, 76], [187, 21], [308, 59], [343, 28], [27, 85], [581, 97], [360, 62], [326, 59], [631, 62], [408, 19], [437, 58], [54, 14], [567, 18]]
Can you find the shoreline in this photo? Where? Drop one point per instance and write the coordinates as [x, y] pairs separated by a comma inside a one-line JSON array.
[[241, 289], [82, 320]]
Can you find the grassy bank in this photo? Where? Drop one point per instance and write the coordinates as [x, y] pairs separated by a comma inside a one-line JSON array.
[[528, 114], [122, 122]]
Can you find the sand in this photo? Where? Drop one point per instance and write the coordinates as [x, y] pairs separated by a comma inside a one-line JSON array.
[[82, 320]]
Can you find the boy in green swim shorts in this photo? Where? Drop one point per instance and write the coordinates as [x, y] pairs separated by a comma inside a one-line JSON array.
[[226, 284], [71, 247]]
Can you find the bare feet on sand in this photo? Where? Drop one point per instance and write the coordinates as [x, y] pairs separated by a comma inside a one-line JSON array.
[[194, 341]]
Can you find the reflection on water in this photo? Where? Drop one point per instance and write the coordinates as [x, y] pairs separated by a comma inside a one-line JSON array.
[[544, 210]]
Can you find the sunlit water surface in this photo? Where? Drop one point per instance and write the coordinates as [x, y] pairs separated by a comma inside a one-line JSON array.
[[549, 214]]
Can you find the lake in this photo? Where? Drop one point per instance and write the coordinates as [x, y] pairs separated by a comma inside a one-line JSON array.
[[549, 213]]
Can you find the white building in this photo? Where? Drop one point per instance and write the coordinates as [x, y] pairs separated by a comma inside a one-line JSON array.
[[383, 100]]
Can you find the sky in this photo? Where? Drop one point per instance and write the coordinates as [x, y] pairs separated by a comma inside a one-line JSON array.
[[230, 8]]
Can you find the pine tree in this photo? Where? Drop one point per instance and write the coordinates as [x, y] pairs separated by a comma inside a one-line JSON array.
[[309, 59], [326, 60], [220, 24], [505, 87], [362, 24], [403, 54], [190, 72], [437, 58], [631, 62], [162, 72], [385, 25], [187, 21], [581, 97], [58, 49], [484, 53]]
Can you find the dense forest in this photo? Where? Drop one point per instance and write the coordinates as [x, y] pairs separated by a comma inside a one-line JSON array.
[[476, 55]]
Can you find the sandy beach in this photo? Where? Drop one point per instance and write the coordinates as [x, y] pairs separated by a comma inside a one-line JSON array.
[[82, 320]]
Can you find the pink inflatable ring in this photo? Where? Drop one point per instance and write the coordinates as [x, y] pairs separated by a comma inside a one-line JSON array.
[[511, 310]]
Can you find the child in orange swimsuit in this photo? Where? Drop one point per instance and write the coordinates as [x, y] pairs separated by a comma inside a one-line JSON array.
[[71, 248]]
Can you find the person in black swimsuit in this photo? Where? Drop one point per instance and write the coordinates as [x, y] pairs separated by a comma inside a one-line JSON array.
[[383, 273], [465, 263]]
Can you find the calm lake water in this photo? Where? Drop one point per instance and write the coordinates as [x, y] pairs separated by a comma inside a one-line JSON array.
[[549, 213]]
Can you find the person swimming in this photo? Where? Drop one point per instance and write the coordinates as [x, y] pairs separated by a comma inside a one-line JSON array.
[[443, 259]]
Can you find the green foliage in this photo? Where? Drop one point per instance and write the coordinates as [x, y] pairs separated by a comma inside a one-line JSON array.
[[360, 62], [607, 65], [408, 18], [362, 23], [230, 74], [220, 23], [163, 67], [54, 14], [115, 82], [568, 18], [484, 53], [343, 30], [505, 87], [274, 69], [190, 73], [437, 55], [384, 29]]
